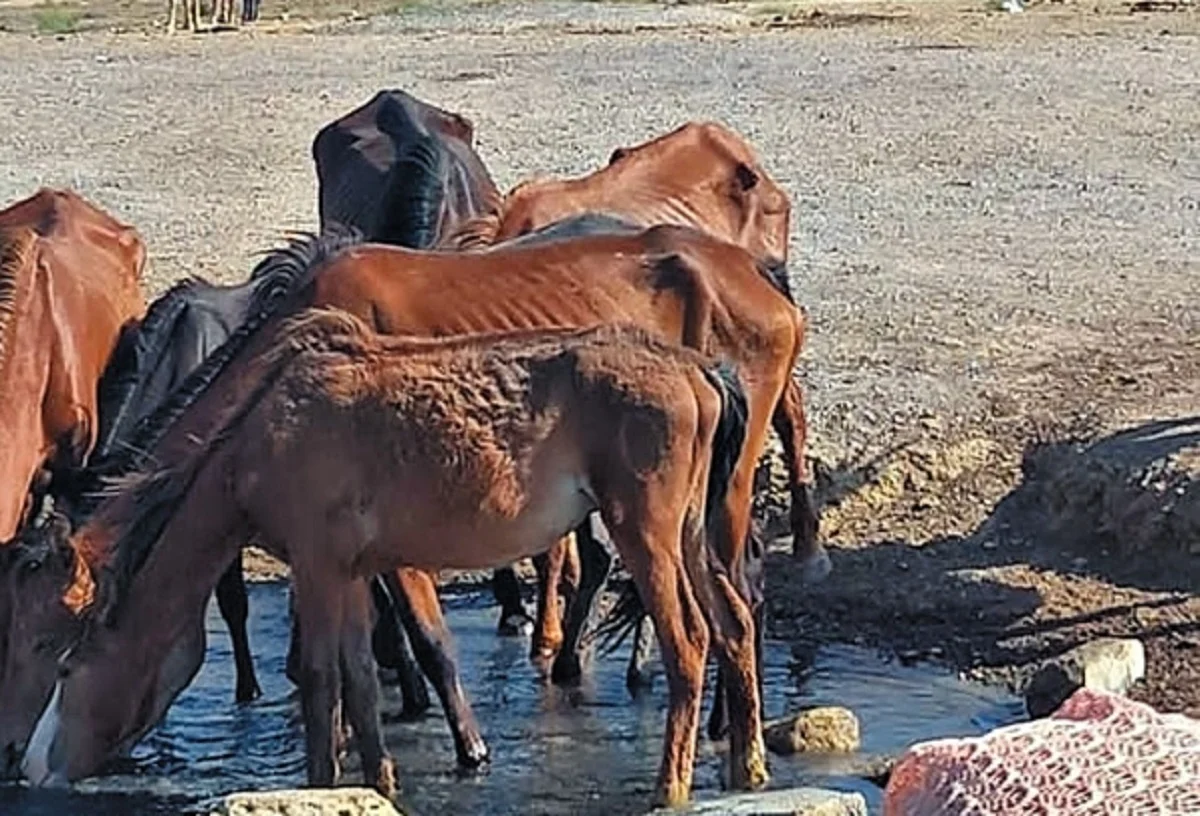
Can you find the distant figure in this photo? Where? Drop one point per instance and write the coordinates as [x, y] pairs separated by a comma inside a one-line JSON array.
[[191, 15], [250, 11]]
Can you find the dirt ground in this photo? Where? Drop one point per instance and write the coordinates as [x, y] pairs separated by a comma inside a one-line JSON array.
[[996, 234]]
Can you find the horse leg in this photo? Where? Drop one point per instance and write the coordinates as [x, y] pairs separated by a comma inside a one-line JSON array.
[[361, 689], [513, 618], [637, 675], [390, 647], [791, 426], [733, 627], [753, 589], [231, 600], [650, 549], [320, 610], [594, 566], [547, 637], [421, 611]]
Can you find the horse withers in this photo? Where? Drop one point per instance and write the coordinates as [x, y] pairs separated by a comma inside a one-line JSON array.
[[353, 454]]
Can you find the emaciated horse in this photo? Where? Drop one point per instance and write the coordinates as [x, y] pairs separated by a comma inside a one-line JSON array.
[[175, 336], [352, 454], [69, 283]]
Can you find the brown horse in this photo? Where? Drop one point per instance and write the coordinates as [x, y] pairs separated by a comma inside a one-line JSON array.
[[677, 283], [681, 284], [69, 283], [702, 175], [354, 454]]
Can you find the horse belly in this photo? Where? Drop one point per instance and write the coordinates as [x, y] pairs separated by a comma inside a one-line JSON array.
[[484, 541]]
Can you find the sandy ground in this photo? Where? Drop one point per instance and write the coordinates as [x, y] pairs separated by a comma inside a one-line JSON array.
[[996, 233]]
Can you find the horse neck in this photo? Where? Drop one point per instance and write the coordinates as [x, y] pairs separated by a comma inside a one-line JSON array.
[[185, 560], [25, 356]]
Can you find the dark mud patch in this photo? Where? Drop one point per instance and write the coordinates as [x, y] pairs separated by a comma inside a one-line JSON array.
[[1098, 537]]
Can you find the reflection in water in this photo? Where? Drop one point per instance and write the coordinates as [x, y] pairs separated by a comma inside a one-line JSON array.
[[592, 749]]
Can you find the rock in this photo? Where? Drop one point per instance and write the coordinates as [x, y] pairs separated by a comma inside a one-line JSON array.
[[788, 802], [1109, 664], [1098, 753], [307, 802], [826, 729]]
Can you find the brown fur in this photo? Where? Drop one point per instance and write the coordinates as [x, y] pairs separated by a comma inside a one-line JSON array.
[[331, 396], [69, 283], [702, 175]]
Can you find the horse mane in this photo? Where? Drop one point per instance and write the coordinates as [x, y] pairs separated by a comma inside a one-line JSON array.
[[15, 247], [127, 368], [413, 196], [156, 494], [279, 276]]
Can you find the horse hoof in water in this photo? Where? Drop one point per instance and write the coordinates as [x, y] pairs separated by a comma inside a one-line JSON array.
[[515, 625], [474, 755], [248, 693], [567, 669]]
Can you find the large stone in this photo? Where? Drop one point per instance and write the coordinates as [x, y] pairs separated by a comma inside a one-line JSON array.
[[1098, 753], [788, 802], [825, 729], [1109, 664], [307, 802]]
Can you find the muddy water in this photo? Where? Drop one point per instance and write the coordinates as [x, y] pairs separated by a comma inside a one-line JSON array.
[[587, 750]]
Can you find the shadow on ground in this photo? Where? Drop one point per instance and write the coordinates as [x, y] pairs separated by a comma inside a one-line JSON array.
[[1099, 537]]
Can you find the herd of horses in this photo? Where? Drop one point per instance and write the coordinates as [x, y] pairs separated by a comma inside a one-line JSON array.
[[444, 377]]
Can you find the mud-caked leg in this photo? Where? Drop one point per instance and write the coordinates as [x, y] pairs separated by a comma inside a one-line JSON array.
[[652, 558], [547, 629], [734, 636], [361, 687], [790, 424], [421, 612], [231, 600], [594, 565]]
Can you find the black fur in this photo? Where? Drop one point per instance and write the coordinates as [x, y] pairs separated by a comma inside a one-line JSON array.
[[182, 324], [576, 226], [777, 273], [391, 167]]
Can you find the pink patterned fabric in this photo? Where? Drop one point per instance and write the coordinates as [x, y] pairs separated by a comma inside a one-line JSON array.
[[1098, 754]]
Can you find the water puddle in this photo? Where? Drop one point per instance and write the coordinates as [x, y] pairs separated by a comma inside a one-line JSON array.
[[588, 750]]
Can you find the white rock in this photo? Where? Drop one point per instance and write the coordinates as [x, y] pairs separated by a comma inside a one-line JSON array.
[[1108, 664], [307, 802], [789, 802]]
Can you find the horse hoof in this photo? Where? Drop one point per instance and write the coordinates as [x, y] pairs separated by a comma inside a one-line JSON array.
[[385, 778], [519, 625], [567, 669], [474, 756], [248, 694]]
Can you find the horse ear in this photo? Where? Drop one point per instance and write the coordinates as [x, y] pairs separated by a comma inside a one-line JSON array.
[[617, 155], [745, 176]]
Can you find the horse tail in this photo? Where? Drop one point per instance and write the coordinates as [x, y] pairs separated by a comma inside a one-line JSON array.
[[728, 440]]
